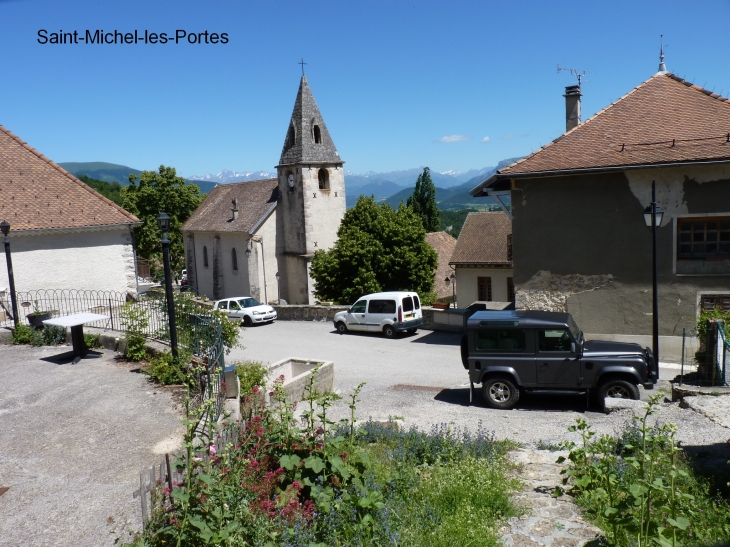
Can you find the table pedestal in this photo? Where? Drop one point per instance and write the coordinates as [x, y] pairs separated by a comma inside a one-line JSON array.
[[78, 343]]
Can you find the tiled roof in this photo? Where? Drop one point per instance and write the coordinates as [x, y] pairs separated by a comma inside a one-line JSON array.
[[37, 194], [300, 145], [483, 240], [254, 199], [664, 120], [444, 245]]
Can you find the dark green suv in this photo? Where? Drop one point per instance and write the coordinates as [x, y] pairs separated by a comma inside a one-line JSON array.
[[538, 351]]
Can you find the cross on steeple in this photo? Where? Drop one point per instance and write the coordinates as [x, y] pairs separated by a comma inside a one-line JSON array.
[[302, 63]]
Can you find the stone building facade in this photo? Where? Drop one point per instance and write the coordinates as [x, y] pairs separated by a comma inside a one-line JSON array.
[[580, 243]]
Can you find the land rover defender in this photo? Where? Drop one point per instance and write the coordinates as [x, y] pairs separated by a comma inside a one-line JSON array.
[[538, 351]]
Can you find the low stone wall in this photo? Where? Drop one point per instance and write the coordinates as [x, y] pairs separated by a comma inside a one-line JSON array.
[[307, 313], [451, 320]]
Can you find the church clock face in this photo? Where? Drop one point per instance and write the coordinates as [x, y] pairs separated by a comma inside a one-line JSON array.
[[291, 180]]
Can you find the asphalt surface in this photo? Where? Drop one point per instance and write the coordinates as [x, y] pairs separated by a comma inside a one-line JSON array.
[[73, 439], [419, 379]]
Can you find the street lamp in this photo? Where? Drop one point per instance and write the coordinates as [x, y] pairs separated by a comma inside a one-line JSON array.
[[5, 228], [163, 221], [260, 239], [653, 218], [453, 288], [278, 289]]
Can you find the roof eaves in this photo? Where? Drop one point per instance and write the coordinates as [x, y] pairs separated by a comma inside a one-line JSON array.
[[265, 216]]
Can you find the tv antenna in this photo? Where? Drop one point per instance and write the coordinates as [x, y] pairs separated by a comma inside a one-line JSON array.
[[577, 72]]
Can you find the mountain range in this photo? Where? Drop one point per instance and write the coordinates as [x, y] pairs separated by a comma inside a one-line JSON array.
[[452, 187]]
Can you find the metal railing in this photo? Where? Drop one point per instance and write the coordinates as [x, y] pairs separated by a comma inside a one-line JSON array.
[[721, 354]]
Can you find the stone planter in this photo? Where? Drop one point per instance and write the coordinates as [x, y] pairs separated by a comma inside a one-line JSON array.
[[297, 373]]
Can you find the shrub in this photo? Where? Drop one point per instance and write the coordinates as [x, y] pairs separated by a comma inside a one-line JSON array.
[[135, 321], [23, 334], [167, 370], [250, 374], [52, 335], [48, 336]]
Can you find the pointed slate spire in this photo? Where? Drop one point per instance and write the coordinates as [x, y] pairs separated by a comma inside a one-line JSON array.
[[307, 139]]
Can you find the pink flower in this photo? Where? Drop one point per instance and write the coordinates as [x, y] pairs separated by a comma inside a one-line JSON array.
[[212, 450]]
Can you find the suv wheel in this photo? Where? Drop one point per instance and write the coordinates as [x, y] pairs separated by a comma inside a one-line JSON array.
[[389, 331], [618, 389], [500, 393], [341, 327]]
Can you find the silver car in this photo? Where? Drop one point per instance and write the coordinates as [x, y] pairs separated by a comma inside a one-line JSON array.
[[248, 309]]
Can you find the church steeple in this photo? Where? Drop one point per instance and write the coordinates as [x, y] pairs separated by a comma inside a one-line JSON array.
[[307, 139]]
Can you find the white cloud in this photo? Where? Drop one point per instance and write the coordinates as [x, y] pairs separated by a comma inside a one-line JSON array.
[[454, 138], [508, 136], [486, 139]]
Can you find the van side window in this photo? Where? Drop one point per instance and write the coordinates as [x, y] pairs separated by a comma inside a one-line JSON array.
[[501, 340], [416, 302], [407, 304], [553, 340], [359, 307], [381, 306]]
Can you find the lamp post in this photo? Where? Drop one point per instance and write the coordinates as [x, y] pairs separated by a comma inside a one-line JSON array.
[[163, 221], [653, 218], [278, 289], [453, 288], [260, 239], [5, 228]]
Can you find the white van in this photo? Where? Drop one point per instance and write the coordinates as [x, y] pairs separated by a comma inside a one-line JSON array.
[[386, 312]]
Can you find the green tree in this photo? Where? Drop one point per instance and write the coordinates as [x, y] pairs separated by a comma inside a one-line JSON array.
[[111, 190], [148, 195], [378, 249], [423, 201]]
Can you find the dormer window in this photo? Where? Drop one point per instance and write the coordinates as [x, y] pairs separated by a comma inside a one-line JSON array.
[[324, 179], [290, 137], [316, 134]]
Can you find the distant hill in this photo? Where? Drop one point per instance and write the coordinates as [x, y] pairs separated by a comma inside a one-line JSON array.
[[112, 172]]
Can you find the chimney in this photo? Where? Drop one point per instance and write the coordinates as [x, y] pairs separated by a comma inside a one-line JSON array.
[[234, 209], [572, 106]]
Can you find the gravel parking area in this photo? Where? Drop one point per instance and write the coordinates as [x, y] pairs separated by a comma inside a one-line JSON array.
[[72, 443], [419, 379]]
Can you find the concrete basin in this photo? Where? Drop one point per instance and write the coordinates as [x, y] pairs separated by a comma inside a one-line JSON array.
[[297, 372]]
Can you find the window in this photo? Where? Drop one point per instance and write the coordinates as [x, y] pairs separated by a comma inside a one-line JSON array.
[[484, 289], [223, 305], [417, 302], [510, 290], [316, 135], [234, 306], [248, 302], [703, 238], [501, 340], [359, 307], [324, 179], [381, 306], [205, 256], [234, 259], [708, 302], [407, 304], [553, 340]]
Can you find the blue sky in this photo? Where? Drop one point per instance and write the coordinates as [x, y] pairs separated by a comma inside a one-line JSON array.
[[392, 78]]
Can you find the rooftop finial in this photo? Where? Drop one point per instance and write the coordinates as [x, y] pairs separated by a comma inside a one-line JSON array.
[[302, 63], [662, 66]]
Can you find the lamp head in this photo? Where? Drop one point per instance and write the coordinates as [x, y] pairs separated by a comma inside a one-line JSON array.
[[163, 221], [277, 276], [248, 252], [5, 227], [447, 281], [658, 213], [453, 277]]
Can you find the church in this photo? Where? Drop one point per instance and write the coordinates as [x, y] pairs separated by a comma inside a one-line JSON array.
[[257, 238]]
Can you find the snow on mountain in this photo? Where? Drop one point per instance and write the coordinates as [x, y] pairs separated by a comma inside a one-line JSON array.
[[226, 176]]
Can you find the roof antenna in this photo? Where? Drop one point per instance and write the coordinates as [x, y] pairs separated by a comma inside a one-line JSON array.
[[662, 66], [577, 72]]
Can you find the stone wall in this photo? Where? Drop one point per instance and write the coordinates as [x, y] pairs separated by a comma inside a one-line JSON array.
[[307, 312], [548, 292]]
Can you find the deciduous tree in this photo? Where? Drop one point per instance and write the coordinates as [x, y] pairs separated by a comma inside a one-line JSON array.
[[378, 249], [147, 196], [423, 201]]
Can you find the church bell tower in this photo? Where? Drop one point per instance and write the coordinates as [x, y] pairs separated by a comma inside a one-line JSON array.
[[312, 196]]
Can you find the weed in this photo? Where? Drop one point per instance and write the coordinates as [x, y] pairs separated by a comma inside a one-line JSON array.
[[167, 370], [135, 320], [251, 374]]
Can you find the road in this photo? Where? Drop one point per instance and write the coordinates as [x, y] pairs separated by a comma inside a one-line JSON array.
[[420, 380]]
